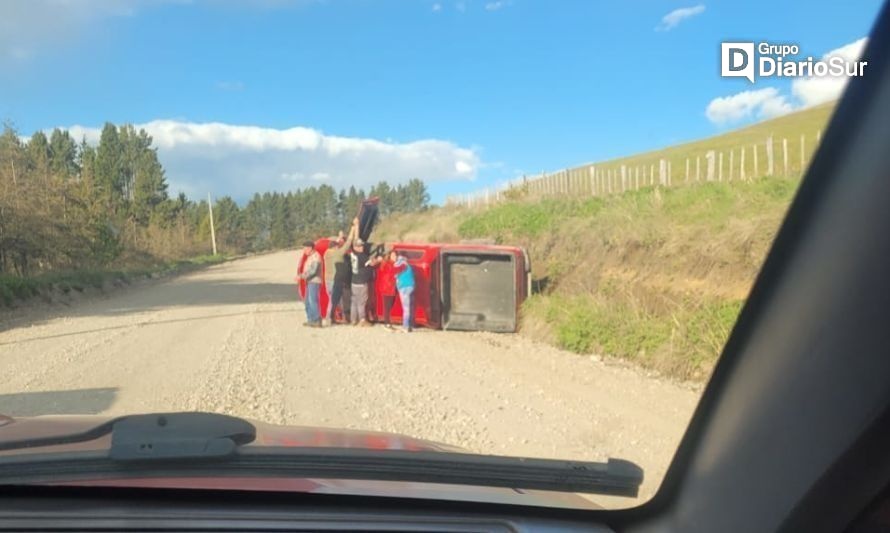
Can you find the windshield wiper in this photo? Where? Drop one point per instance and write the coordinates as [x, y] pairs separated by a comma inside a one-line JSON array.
[[204, 444], [159, 436]]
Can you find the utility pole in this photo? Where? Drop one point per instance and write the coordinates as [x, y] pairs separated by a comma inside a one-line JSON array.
[[212, 231]]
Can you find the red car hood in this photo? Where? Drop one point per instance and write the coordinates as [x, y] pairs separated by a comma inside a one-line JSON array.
[[15, 429]]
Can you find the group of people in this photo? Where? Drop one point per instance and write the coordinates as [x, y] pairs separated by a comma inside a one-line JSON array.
[[349, 273]]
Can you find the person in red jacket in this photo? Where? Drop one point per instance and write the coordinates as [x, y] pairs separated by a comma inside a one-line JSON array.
[[386, 283]]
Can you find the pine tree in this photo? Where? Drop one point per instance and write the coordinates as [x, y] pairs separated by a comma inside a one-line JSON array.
[[150, 186], [63, 155], [109, 168]]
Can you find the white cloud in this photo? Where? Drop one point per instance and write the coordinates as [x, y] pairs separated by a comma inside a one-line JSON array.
[[494, 6], [769, 102], [813, 91], [675, 17], [463, 168], [240, 160], [437, 7], [776, 106], [761, 103]]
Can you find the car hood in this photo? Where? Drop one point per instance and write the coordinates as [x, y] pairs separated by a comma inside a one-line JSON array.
[[269, 435], [15, 429]]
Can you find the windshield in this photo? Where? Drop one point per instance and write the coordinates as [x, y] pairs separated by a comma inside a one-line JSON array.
[[496, 228]]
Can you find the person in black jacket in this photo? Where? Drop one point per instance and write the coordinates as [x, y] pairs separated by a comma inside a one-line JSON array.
[[338, 273], [362, 272]]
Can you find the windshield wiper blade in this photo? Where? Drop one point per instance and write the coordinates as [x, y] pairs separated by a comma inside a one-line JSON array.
[[205, 444], [615, 477], [159, 436]]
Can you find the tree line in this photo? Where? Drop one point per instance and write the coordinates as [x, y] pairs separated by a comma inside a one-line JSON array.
[[68, 205]]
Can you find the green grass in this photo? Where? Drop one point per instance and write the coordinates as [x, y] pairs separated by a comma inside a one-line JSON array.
[[684, 343], [710, 205], [13, 288], [656, 276], [525, 219]]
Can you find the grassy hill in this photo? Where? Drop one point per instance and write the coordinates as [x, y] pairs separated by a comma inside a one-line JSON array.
[[808, 123], [657, 275]]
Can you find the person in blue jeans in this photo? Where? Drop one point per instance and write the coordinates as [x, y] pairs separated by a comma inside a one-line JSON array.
[[312, 274], [405, 285]]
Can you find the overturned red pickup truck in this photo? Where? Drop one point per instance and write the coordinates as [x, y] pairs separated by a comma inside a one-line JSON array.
[[470, 287]]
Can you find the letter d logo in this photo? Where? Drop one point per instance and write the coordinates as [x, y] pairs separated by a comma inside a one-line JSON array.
[[737, 60]]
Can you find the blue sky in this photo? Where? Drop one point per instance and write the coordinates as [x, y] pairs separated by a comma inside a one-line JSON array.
[[462, 93]]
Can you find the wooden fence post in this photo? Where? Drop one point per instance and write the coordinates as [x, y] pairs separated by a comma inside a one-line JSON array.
[[637, 178], [720, 168], [756, 172], [742, 165], [785, 154], [670, 168], [770, 167], [731, 157], [697, 168], [687, 171], [710, 157]]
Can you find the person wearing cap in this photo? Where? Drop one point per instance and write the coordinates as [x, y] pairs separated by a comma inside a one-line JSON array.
[[361, 276], [338, 273], [311, 273]]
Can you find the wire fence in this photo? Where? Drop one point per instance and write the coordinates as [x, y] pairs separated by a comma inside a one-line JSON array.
[[770, 157]]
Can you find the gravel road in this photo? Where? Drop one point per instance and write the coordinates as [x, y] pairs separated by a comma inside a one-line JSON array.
[[229, 339]]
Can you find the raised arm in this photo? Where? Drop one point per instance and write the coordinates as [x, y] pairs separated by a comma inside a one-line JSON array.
[[353, 233]]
